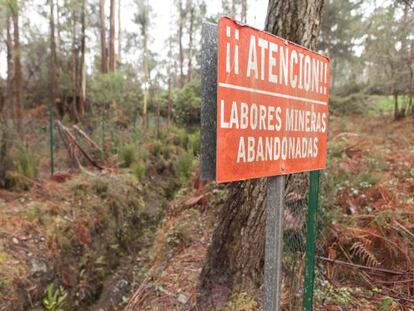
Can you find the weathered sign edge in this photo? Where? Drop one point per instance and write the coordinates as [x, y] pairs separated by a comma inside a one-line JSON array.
[[208, 116]]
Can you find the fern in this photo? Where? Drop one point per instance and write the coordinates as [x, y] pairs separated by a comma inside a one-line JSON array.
[[360, 250]]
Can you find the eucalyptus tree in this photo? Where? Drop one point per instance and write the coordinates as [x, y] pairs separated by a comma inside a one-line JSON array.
[[142, 18]]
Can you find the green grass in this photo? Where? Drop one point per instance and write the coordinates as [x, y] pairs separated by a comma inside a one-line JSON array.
[[386, 103]]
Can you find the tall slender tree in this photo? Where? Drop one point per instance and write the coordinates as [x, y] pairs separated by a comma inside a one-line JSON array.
[[243, 17], [102, 37], [181, 22], [17, 90], [82, 65], [236, 255], [53, 54], [119, 33], [143, 19], [192, 12], [112, 57], [10, 71]]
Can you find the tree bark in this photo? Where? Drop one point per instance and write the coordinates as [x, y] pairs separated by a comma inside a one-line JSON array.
[[112, 61], [396, 107], [17, 70], [82, 69], [75, 69], [146, 70], [170, 64], [102, 32], [233, 9], [53, 58], [190, 40], [169, 113], [10, 107], [411, 83], [244, 11], [118, 58], [181, 14], [236, 256]]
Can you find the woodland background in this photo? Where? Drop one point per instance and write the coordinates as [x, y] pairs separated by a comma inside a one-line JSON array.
[[117, 219]]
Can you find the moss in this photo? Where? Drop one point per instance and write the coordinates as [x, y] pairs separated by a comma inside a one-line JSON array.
[[241, 301]]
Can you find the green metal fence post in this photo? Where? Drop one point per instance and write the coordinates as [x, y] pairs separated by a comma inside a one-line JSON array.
[[52, 140], [310, 240]]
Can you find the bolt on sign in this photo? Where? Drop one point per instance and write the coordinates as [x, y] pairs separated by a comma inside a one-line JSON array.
[[272, 105]]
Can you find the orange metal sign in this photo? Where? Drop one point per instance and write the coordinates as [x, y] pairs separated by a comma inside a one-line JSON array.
[[272, 105]]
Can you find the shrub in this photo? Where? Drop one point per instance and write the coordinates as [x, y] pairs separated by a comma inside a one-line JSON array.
[[127, 155], [194, 143], [183, 166], [5, 159], [187, 103], [348, 105], [24, 162], [138, 169]]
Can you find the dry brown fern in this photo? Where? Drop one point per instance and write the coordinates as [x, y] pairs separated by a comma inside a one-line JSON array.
[[360, 250]]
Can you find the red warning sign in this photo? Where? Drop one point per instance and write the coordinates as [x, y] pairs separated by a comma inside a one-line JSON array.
[[272, 105]]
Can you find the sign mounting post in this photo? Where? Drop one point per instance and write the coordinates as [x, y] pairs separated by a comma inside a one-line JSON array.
[[264, 113], [274, 242]]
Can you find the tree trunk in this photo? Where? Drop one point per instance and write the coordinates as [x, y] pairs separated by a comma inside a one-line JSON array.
[[244, 11], [411, 82], [17, 70], [53, 58], [190, 40], [170, 65], [75, 70], [396, 108], [236, 256], [102, 32], [233, 9], [146, 78], [181, 15], [169, 100], [119, 33], [10, 107], [82, 69], [59, 29], [112, 61]]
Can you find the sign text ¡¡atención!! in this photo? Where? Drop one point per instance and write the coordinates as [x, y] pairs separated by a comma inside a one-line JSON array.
[[272, 105]]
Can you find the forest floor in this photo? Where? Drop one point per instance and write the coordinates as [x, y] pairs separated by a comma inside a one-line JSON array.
[[366, 241], [80, 231]]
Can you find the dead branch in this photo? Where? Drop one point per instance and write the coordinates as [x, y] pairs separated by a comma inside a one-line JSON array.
[[87, 138], [344, 263], [73, 140]]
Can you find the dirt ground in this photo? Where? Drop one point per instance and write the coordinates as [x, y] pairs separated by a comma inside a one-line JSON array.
[[59, 233]]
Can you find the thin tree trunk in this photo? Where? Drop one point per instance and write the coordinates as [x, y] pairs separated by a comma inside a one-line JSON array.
[[102, 32], [411, 83], [396, 108], [190, 39], [233, 9], [75, 70], [53, 58], [236, 256], [244, 11], [58, 28], [180, 40], [112, 61], [17, 70], [82, 69], [170, 65], [10, 107], [119, 33], [169, 100], [146, 78]]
